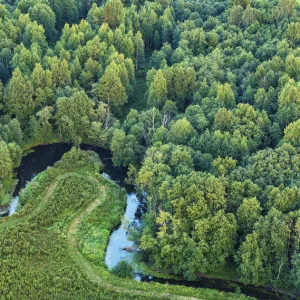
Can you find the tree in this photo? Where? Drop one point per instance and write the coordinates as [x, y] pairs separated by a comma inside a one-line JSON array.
[[6, 164], [139, 50], [18, 96], [263, 255], [196, 39], [42, 84], [76, 68], [284, 9], [296, 270], [61, 75], [225, 96], [148, 20], [251, 262], [249, 123], [123, 269], [248, 214], [158, 90], [223, 166], [274, 166], [73, 116], [181, 161], [25, 59], [15, 132], [192, 233], [222, 144], [289, 103], [293, 32], [292, 66], [236, 15], [181, 132], [224, 120], [292, 133], [44, 119], [95, 16], [196, 117], [35, 34], [65, 11], [126, 150], [15, 153], [114, 13], [127, 47], [249, 16], [153, 172], [45, 16], [1, 93], [243, 3], [90, 73], [156, 40], [181, 84], [110, 89], [284, 199]]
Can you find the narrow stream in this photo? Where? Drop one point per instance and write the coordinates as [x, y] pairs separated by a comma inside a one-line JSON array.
[[44, 156], [119, 240], [13, 205]]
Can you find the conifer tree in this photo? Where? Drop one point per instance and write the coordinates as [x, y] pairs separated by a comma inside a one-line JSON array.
[[18, 97]]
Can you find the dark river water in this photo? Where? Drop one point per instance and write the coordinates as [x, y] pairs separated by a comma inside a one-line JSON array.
[[44, 156]]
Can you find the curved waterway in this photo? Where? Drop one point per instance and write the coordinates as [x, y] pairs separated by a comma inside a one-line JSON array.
[[44, 156]]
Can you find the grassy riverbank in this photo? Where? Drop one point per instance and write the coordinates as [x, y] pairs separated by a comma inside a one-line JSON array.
[[54, 247]]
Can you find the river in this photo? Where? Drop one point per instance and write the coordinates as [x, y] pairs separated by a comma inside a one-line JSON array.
[[44, 156]]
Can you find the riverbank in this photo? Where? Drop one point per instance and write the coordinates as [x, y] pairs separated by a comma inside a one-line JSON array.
[[41, 157], [4, 208], [47, 246]]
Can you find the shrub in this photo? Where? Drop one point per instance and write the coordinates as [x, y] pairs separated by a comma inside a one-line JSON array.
[[123, 269]]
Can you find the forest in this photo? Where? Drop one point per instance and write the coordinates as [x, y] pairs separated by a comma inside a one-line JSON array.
[[198, 99]]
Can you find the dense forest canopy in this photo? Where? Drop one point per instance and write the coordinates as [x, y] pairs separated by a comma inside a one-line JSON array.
[[199, 99]]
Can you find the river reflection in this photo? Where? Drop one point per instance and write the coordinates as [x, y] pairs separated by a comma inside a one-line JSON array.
[[119, 247]]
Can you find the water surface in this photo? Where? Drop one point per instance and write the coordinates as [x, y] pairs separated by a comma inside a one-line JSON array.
[[119, 247]]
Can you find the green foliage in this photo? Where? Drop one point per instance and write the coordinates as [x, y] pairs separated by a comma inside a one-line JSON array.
[[268, 243], [62, 232], [291, 133], [184, 230], [111, 90], [288, 105], [123, 269], [73, 116], [216, 90], [285, 158], [158, 91], [293, 32], [114, 13], [11, 155], [248, 214], [45, 16], [296, 271], [6, 165], [181, 132], [125, 148], [65, 11], [139, 50], [225, 96], [18, 96], [61, 75]]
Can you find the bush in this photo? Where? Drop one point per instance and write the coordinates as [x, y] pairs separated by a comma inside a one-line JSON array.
[[123, 269]]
